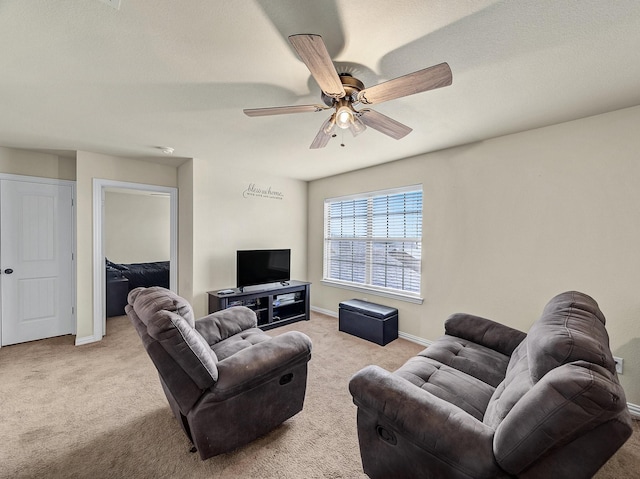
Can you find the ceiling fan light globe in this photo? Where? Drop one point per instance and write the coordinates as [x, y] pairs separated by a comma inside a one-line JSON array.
[[357, 127], [344, 117], [329, 125]]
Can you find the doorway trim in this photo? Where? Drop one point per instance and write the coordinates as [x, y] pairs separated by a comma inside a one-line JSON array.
[[99, 298]]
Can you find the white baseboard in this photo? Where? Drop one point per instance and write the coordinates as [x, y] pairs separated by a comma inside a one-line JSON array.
[[415, 339], [634, 409], [326, 312], [86, 340]]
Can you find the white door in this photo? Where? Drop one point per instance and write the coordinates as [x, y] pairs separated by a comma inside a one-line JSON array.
[[36, 246]]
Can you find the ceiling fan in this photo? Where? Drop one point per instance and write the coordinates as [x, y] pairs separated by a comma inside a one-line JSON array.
[[341, 92]]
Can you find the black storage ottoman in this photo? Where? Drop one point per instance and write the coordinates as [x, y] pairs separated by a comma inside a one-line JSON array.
[[370, 321]]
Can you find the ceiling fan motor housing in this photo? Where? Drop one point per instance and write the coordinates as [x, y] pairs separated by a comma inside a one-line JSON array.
[[351, 86]]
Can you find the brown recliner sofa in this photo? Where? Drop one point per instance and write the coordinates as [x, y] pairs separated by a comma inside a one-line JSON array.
[[488, 401], [227, 382]]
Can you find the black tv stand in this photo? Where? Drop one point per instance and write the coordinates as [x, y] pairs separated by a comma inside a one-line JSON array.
[[275, 305]]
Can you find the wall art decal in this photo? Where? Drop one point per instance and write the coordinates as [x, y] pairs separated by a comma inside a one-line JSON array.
[[255, 191]]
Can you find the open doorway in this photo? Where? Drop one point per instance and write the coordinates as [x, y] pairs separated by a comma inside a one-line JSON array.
[[106, 240]]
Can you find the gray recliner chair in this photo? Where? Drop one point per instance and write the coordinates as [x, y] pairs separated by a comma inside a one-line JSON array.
[[227, 382], [489, 401]]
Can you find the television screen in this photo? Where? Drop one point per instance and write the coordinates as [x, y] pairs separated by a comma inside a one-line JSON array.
[[262, 266]]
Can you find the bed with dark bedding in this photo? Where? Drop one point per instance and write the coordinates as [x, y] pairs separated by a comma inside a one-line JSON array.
[[122, 278]]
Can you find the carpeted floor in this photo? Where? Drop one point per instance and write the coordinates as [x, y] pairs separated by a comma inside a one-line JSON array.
[[98, 411]]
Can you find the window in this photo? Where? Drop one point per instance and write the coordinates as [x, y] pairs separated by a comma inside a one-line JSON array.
[[374, 241]]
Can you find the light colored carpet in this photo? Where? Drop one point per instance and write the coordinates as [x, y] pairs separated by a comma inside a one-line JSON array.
[[97, 411]]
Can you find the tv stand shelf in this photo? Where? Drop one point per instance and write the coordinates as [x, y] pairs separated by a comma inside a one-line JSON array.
[[275, 304]]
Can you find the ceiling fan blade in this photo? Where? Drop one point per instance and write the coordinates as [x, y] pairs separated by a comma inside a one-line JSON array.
[[314, 54], [324, 134], [384, 124], [283, 110], [288, 18], [430, 78]]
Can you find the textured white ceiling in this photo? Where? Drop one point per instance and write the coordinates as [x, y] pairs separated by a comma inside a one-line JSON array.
[[81, 75]]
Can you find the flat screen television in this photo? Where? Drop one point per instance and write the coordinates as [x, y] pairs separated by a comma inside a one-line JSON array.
[[261, 266]]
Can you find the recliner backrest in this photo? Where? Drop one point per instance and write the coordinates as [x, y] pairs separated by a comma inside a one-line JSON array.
[[185, 355], [571, 328], [560, 384], [563, 407], [154, 299]]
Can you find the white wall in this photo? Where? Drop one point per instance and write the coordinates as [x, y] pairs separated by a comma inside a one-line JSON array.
[[136, 227], [226, 216], [510, 222]]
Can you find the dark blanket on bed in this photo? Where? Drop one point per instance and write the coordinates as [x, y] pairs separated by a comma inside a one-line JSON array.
[[143, 274]]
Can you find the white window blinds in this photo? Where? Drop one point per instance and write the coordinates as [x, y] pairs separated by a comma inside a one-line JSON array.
[[375, 240]]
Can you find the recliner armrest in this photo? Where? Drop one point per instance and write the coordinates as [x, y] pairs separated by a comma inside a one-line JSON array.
[[259, 363], [225, 323], [484, 331], [447, 433]]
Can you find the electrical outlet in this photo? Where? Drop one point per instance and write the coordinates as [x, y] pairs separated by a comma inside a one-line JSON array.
[[619, 362]]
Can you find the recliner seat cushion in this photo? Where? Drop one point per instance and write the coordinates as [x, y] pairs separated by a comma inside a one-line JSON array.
[[483, 363], [456, 387], [238, 342]]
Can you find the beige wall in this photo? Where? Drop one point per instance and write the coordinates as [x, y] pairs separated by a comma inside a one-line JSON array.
[[185, 230], [136, 227], [512, 221], [88, 167], [226, 217], [31, 163], [217, 216]]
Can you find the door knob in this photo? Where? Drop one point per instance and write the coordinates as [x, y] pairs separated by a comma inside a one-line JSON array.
[[8, 271]]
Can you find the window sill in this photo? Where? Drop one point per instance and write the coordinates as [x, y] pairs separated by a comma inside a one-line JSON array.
[[374, 291]]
